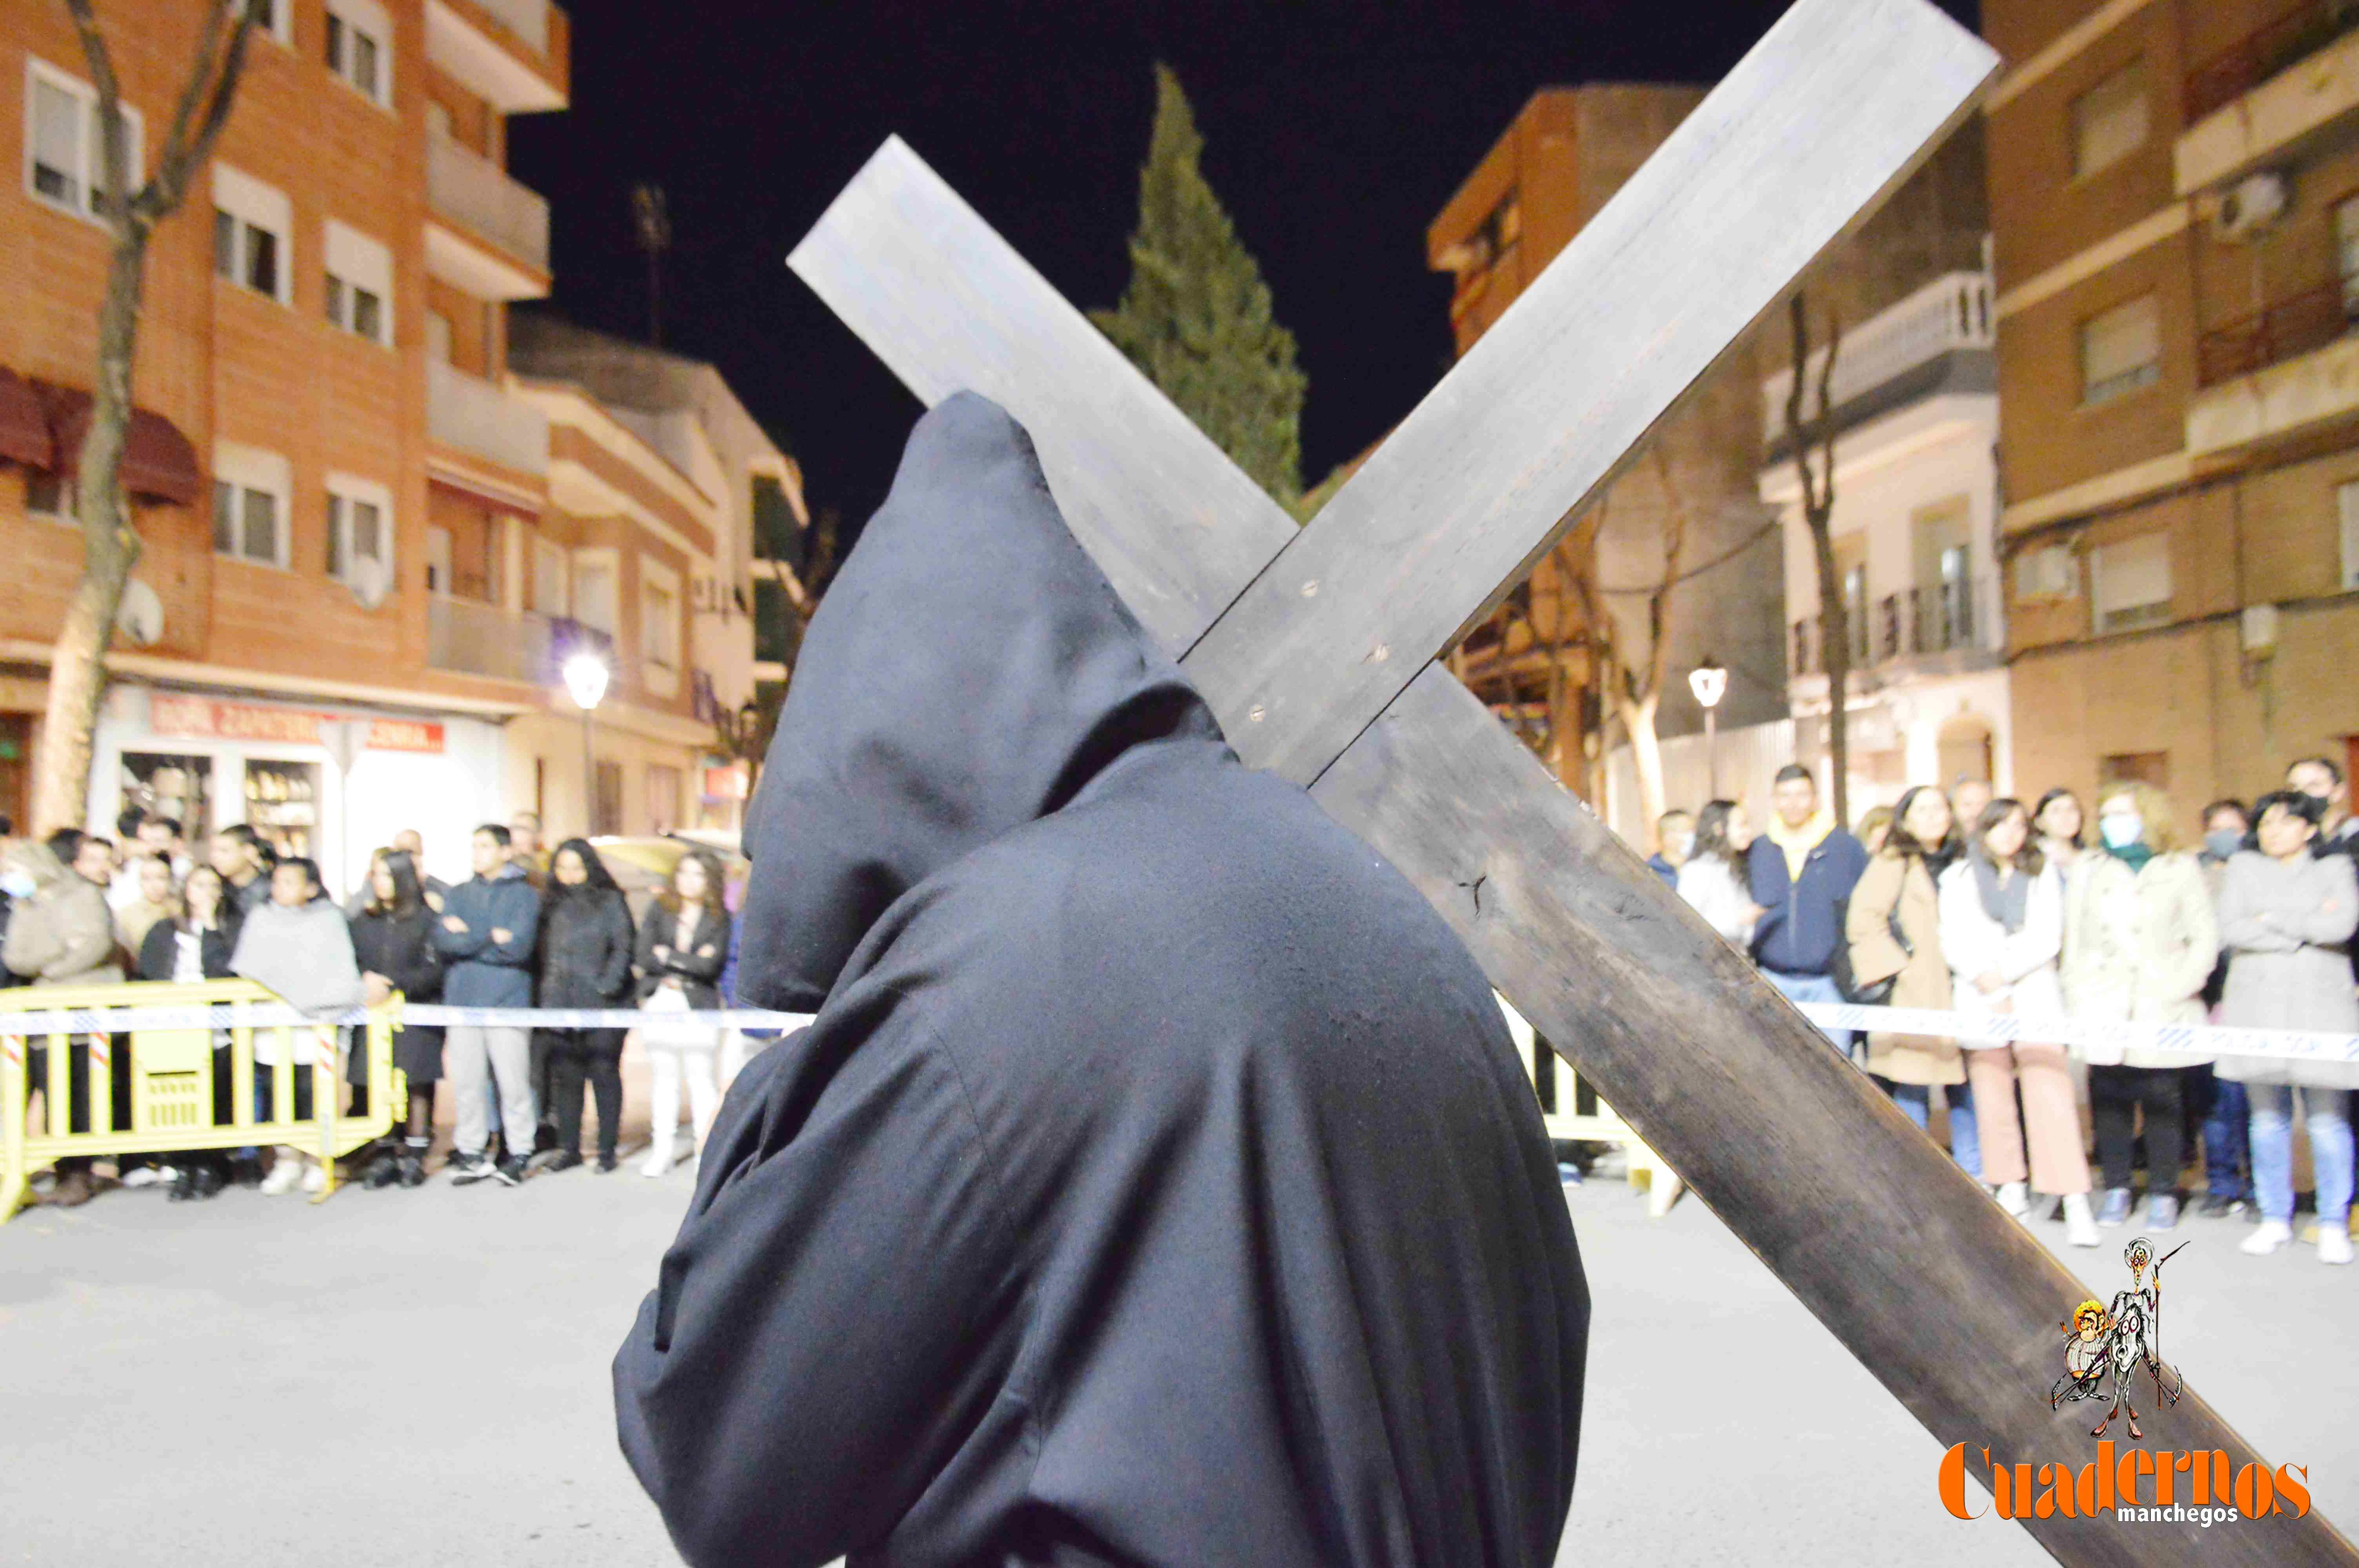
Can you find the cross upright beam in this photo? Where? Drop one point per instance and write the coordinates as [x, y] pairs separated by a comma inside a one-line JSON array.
[[1941, 1296]]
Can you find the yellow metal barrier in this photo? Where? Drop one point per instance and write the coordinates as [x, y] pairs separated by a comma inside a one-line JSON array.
[[1560, 1110], [172, 1079]]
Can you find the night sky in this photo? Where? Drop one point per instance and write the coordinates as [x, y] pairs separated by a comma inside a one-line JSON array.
[[1334, 133]]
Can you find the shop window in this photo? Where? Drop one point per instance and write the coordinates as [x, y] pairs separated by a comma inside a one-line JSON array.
[[360, 284], [2109, 120], [251, 223], [360, 55], [2130, 583], [250, 490], [282, 806], [2121, 350], [360, 528], [65, 158], [167, 784]]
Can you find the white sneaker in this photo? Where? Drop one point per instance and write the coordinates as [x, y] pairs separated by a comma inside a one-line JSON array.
[[2015, 1197], [2267, 1238], [657, 1161], [285, 1172], [2080, 1224], [142, 1176], [315, 1176], [2333, 1244]]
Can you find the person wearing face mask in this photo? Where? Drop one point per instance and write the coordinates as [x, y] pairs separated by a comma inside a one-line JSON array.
[[2221, 1103], [1675, 836], [2139, 941], [2288, 918]]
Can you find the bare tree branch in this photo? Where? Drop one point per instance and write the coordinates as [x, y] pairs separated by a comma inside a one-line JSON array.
[[212, 82]]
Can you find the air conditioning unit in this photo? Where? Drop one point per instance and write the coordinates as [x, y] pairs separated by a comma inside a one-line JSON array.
[[2050, 572], [2251, 205]]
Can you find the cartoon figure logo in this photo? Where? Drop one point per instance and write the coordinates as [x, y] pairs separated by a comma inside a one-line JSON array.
[[2110, 1343]]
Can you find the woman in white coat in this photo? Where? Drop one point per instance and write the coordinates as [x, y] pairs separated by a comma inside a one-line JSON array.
[[2287, 919], [2001, 936], [1712, 878], [2139, 941]]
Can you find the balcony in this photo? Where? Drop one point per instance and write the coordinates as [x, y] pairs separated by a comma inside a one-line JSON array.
[[2283, 372], [1873, 371], [472, 414], [488, 234], [2280, 89], [1945, 628], [468, 637], [514, 54]]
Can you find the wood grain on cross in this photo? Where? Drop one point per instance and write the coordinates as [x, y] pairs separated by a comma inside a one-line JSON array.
[[1317, 648]]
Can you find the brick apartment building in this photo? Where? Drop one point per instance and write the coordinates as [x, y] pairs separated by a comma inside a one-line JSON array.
[[2175, 203], [1566, 153], [351, 504]]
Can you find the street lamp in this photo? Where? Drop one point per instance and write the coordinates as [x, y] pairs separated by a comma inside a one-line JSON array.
[[585, 677], [1708, 681]]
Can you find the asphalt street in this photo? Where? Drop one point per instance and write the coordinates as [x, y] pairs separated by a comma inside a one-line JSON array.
[[417, 1377]]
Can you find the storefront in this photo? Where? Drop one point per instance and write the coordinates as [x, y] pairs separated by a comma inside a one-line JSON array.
[[210, 760]]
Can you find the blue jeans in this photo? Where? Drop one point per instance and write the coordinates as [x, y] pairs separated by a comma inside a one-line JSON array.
[[2226, 1159], [1813, 988], [2328, 1113], [1916, 1100]]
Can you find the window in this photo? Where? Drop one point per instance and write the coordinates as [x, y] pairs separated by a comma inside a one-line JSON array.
[[2109, 120], [64, 155], [360, 37], [773, 622], [663, 797], [595, 604], [251, 223], [360, 528], [659, 625], [2348, 498], [2346, 254], [438, 337], [360, 284], [48, 496], [275, 17], [2048, 573], [250, 490], [2130, 583], [2121, 350], [549, 574], [607, 800]]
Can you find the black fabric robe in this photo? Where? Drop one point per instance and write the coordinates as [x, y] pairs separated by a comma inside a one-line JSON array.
[[1157, 1185]]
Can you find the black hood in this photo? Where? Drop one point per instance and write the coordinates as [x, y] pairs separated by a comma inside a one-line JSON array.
[[969, 671]]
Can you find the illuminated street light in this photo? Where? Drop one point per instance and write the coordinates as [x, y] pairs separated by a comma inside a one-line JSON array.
[[585, 677], [1708, 681]]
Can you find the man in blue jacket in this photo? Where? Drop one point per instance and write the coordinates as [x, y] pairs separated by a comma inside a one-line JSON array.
[[1802, 869], [489, 923]]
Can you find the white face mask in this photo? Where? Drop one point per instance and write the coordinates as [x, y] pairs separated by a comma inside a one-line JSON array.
[[2121, 828], [1681, 845]]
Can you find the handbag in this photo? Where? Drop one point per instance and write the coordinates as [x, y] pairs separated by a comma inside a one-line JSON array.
[[1876, 993]]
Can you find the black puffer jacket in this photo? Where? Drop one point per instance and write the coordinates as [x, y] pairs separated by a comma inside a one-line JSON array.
[[585, 947], [159, 950], [697, 966]]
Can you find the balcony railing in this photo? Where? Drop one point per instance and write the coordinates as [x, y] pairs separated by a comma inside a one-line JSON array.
[[1940, 618], [2284, 330], [1951, 312], [469, 411], [2265, 52], [470, 638], [477, 194]]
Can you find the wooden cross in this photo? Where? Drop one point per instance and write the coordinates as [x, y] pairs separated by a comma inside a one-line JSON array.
[[1318, 650]]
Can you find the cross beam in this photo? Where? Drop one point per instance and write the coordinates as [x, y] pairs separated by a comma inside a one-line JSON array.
[[1941, 1296]]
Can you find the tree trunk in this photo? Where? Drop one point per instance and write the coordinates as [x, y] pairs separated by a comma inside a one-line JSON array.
[[1646, 755], [1834, 653], [110, 550]]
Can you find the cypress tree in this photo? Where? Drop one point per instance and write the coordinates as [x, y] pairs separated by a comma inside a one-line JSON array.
[[1197, 317]]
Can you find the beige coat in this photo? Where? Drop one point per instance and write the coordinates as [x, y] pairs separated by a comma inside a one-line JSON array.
[[2288, 930], [2138, 948], [63, 934], [1895, 885]]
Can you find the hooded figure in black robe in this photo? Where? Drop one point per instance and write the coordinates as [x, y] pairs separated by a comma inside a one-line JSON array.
[[1157, 1184]]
